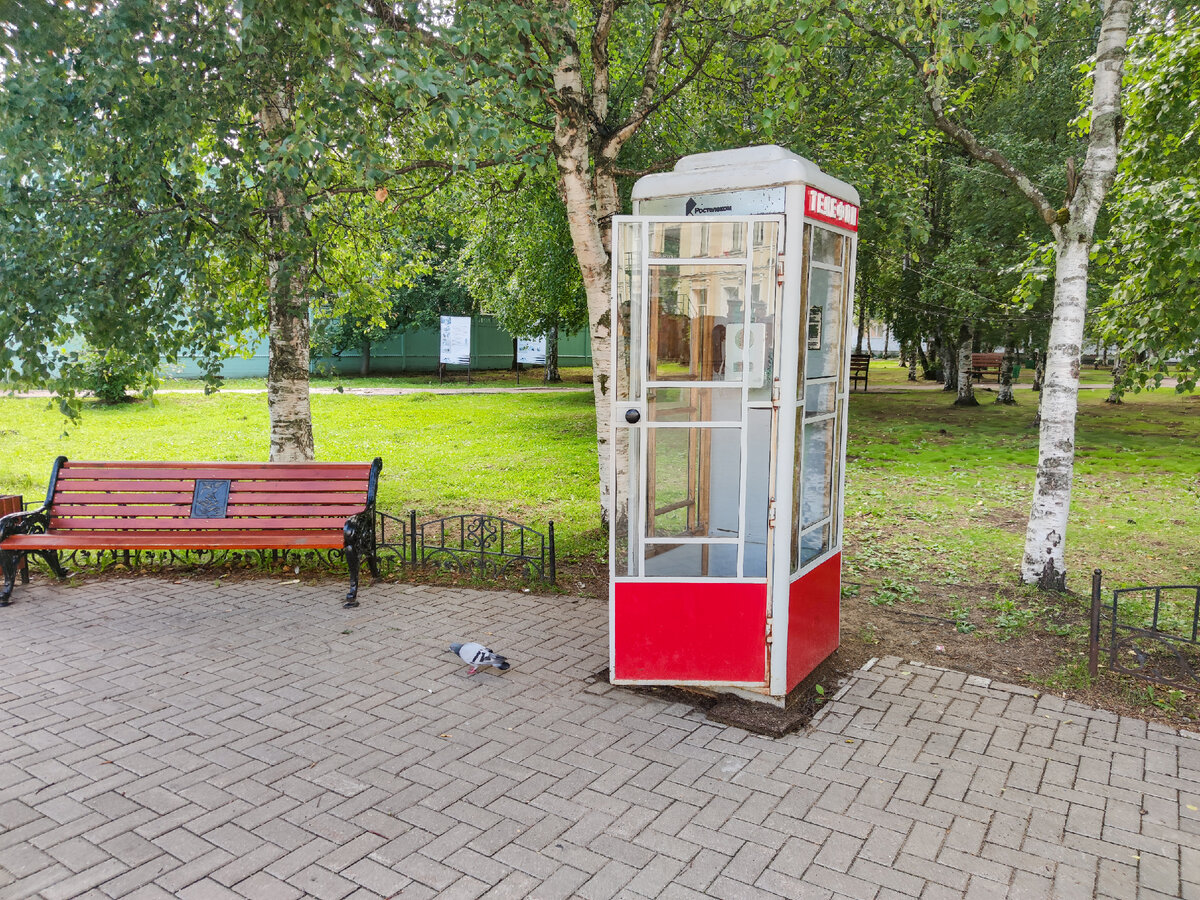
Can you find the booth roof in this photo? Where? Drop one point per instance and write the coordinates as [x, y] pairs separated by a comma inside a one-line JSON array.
[[766, 165]]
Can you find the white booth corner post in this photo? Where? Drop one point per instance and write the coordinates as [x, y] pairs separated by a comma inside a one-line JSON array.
[[732, 305]]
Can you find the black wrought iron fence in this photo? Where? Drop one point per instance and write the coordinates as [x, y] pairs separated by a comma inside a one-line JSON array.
[[1152, 633], [478, 545]]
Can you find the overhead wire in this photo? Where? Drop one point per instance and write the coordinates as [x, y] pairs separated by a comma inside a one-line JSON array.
[[947, 311]]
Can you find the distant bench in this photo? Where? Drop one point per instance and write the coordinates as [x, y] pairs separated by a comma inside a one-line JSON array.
[[860, 367], [129, 506], [985, 365]]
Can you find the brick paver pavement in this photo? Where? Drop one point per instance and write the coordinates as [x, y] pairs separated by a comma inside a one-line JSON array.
[[252, 739]]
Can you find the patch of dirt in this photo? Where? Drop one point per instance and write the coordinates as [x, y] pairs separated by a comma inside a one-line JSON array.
[[751, 715]]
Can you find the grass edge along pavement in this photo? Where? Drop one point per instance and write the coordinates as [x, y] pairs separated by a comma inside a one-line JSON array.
[[936, 497]]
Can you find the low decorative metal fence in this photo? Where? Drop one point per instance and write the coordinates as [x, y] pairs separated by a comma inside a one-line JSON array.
[[479, 545], [1152, 633]]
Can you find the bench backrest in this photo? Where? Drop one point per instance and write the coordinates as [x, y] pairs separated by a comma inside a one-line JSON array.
[[92, 496], [986, 359], [859, 360]]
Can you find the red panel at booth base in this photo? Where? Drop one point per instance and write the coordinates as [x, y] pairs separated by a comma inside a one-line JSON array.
[[814, 609], [698, 631]]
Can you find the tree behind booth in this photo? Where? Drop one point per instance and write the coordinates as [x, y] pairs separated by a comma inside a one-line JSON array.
[[949, 45]]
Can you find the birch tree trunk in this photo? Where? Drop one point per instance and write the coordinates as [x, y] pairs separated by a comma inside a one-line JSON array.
[[552, 374], [966, 393], [585, 146], [1045, 538], [288, 271], [572, 160], [1005, 394], [1073, 227], [948, 352], [1118, 375]]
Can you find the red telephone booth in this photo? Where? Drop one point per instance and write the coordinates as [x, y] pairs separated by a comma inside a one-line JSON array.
[[732, 305]]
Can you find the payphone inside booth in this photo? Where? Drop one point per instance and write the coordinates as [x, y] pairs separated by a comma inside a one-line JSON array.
[[732, 295]]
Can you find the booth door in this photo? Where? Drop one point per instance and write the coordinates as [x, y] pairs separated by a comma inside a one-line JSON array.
[[694, 362]]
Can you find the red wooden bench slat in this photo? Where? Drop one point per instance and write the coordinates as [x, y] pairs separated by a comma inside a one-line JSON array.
[[95, 509], [248, 487], [175, 540], [247, 501], [344, 510], [183, 523], [220, 470]]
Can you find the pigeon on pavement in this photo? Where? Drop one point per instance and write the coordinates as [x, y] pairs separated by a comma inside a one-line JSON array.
[[478, 655]]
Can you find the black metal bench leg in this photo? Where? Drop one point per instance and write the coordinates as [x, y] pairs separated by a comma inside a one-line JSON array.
[[352, 561], [51, 558], [8, 563]]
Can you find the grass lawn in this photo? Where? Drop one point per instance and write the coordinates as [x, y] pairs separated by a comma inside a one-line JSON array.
[[527, 457], [936, 501]]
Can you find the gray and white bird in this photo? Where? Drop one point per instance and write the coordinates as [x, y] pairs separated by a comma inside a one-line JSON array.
[[478, 655]]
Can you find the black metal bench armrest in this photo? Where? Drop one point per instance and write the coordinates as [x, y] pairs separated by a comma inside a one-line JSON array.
[[30, 521]]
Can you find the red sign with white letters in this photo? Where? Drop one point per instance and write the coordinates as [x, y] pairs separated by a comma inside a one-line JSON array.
[[826, 208]]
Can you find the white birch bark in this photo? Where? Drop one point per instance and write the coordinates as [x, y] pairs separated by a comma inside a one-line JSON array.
[[966, 393], [288, 271], [572, 158], [1005, 394], [1045, 538]]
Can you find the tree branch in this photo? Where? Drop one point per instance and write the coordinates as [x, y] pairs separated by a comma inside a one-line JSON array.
[[962, 135]]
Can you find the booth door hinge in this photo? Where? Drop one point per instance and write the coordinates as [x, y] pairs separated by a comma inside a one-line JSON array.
[[770, 629], [775, 392], [771, 513], [779, 267]]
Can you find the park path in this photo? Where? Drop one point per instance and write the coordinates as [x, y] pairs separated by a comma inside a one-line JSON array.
[[210, 738]]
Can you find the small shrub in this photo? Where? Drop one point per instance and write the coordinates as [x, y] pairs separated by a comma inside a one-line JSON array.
[[110, 374]]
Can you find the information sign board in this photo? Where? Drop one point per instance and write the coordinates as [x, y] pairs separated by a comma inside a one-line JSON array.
[[456, 341], [531, 351]]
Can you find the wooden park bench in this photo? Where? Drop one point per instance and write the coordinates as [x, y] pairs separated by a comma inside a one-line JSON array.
[[190, 506], [985, 365], [860, 365]]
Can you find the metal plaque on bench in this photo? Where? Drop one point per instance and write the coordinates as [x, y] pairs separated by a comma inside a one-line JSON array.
[[210, 498]]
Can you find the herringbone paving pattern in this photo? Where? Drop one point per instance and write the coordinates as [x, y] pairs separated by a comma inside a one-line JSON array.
[[254, 740]]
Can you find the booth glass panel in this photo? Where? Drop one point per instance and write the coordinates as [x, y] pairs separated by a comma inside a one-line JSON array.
[[629, 308], [820, 398], [814, 543], [692, 309], [827, 247], [761, 366], [825, 326], [758, 491], [625, 455], [692, 560], [694, 404], [817, 489], [697, 240], [694, 485]]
